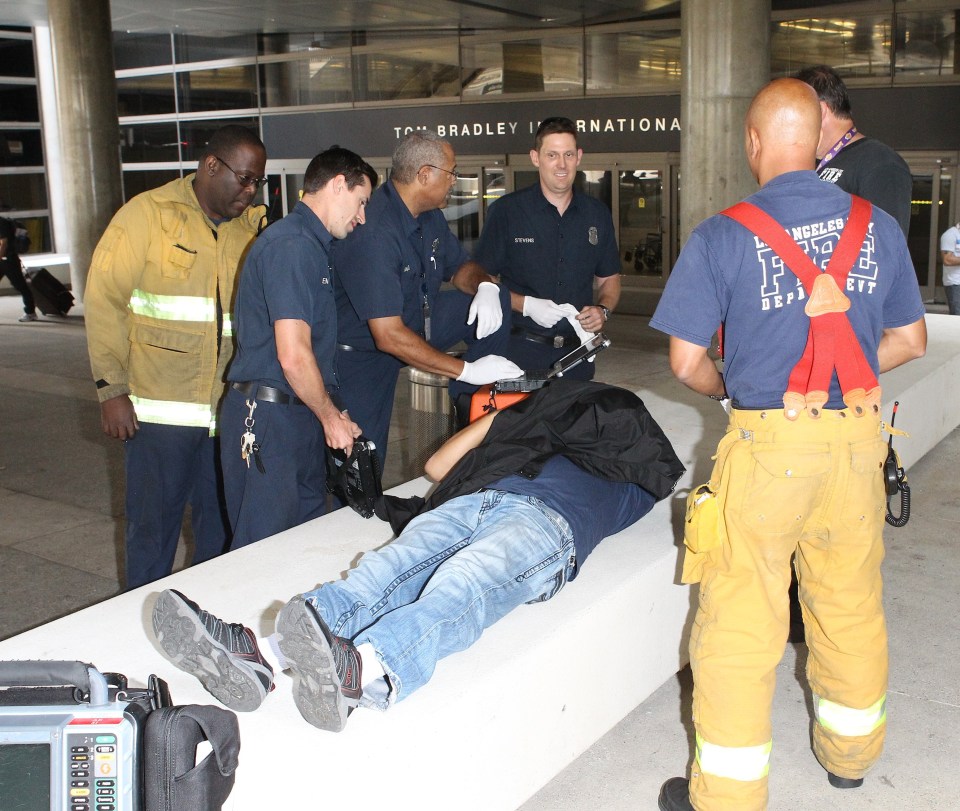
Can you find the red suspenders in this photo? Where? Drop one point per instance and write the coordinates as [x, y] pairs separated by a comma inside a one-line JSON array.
[[831, 342]]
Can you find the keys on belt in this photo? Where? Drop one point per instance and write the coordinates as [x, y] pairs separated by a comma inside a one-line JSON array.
[[266, 393]]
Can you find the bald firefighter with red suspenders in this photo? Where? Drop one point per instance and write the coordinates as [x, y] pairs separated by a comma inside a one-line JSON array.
[[817, 296]]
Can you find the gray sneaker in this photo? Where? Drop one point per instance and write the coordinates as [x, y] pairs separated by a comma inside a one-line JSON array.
[[224, 657], [325, 668], [27, 317]]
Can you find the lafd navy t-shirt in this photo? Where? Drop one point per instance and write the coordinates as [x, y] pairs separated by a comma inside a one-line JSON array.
[[726, 275]]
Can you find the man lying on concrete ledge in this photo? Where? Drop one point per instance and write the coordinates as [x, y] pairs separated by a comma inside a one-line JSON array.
[[525, 495]]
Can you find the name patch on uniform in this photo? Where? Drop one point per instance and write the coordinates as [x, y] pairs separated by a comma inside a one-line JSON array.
[[524, 239], [593, 235]]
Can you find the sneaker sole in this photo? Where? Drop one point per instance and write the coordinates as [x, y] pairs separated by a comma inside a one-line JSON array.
[[316, 685], [185, 642]]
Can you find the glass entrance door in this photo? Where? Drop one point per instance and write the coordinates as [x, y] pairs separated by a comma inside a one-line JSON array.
[[932, 210], [480, 181], [642, 224]]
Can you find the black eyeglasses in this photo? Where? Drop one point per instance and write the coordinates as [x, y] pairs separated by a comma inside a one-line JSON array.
[[455, 173], [245, 180]]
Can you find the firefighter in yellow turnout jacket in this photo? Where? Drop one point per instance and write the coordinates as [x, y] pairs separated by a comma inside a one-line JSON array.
[[800, 469], [158, 300]]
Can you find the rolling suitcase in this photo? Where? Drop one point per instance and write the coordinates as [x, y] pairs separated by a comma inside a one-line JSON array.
[[51, 296]]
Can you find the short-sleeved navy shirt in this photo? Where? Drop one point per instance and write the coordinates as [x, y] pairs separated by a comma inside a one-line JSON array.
[[536, 252], [287, 274], [388, 266], [725, 274], [594, 507]]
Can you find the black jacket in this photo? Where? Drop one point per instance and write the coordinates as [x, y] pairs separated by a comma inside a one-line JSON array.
[[605, 430]]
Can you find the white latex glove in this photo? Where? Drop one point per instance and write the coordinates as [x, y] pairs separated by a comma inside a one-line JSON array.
[[489, 369], [485, 309], [570, 313], [545, 312]]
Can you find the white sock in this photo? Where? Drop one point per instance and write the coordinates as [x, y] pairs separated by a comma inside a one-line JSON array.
[[270, 649], [371, 667]]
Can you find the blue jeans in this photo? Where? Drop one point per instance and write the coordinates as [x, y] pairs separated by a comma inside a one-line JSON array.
[[953, 298], [454, 571]]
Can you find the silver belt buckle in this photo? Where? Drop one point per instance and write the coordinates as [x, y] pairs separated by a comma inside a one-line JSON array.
[[558, 342]]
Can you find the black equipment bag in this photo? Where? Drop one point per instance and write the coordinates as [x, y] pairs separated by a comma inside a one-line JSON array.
[[173, 780], [51, 296]]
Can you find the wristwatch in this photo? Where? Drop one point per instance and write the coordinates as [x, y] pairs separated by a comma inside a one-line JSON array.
[[606, 312]]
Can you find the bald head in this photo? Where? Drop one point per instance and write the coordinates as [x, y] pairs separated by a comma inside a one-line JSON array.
[[782, 129]]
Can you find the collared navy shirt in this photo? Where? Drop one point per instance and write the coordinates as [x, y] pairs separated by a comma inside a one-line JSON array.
[[388, 266], [536, 252], [287, 274]]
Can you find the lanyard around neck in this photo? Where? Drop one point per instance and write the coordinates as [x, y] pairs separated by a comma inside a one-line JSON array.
[[835, 149]]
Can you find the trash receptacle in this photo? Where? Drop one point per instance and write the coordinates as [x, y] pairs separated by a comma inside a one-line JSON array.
[[431, 414]]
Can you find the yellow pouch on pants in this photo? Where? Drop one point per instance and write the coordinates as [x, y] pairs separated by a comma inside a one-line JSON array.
[[701, 530]]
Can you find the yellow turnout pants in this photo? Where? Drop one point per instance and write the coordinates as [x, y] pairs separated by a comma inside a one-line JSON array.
[[814, 488]]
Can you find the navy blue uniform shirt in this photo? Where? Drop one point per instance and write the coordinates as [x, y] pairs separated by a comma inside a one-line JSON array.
[[387, 267], [536, 252], [287, 274]]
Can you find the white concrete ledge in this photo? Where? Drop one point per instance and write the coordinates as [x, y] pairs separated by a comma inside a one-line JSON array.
[[501, 719], [46, 260]]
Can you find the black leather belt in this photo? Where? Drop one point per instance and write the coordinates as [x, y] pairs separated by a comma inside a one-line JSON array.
[[556, 341], [266, 393]]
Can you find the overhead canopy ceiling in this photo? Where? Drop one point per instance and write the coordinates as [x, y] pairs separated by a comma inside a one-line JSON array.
[[226, 17], [241, 16]]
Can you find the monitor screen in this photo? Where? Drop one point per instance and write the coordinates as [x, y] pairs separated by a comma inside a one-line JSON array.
[[25, 777]]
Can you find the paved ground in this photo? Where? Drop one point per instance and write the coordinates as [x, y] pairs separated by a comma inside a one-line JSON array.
[[61, 523]]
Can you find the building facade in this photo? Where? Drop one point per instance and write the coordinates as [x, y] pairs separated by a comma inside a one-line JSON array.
[[486, 93]]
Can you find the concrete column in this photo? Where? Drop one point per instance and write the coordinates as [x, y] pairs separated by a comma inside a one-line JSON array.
[[726, 60], [86, 91], [280, 79]]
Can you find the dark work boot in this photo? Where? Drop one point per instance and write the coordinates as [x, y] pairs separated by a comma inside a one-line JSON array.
[[675, 795], [844, 782]]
